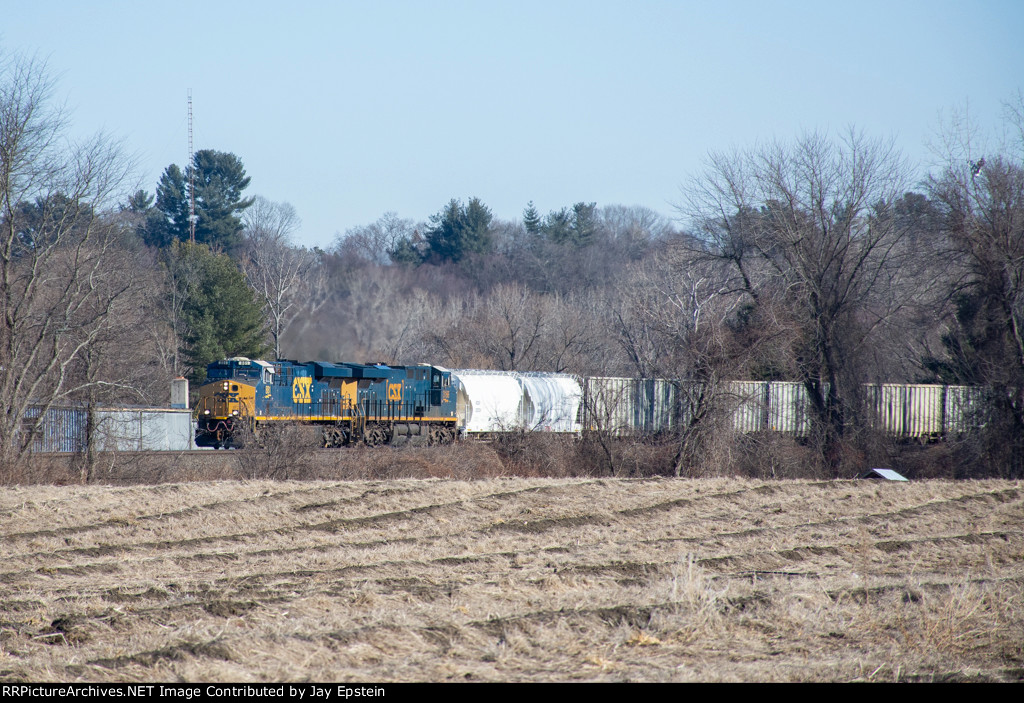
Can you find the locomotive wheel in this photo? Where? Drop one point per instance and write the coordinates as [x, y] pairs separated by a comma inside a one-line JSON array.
[[335, 437], [376, 436], [441, 435]]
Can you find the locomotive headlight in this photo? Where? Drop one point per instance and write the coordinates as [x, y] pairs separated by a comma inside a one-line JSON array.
[[206, 412], [225, 385], [234, 412]]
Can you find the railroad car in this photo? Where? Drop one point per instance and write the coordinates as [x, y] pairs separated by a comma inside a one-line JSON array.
[[503, 401], [629, 406], [924, 412], [371, 403]]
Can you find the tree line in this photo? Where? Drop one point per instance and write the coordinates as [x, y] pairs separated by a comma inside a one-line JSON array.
[[822, 260]]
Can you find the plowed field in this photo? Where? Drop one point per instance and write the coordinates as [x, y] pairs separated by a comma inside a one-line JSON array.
[[513, 580]]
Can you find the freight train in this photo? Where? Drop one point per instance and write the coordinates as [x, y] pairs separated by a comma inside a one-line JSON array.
[[379, 404]]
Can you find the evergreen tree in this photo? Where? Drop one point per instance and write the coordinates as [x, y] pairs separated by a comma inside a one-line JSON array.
[[219, 316], [219, 179], [459, 230], [145, 220], [407, 251], [531, 220], [173, 204], [139, 202], [576, 227], [558, 226], [35, 222], [585, 224]]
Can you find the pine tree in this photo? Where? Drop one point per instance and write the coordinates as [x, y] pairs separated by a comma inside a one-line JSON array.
[[531, 220], [576, 227], [558, 226], [585, 224], [172, 202], [219, 315], [459, 230], [219, 180]]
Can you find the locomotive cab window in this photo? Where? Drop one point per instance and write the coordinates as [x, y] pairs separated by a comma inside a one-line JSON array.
[[246, 372]]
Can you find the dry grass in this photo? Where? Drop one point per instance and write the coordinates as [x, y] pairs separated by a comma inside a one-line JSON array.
[[513, 580]]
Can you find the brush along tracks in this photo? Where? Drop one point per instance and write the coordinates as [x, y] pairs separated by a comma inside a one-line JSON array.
[[514, 580]]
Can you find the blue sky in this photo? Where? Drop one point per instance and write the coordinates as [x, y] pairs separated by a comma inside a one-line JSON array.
[[350, 109]]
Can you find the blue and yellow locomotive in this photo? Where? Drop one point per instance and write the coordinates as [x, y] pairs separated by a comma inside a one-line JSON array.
[[371, 403]]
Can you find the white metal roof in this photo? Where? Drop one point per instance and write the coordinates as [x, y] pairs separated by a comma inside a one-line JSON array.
[[887, 474]]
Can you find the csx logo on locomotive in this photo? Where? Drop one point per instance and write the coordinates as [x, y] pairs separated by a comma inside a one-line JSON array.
[[301, 390], [395, 392]]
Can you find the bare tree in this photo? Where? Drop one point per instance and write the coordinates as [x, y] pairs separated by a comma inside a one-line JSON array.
[[579, 342], [813, 225], [982, 200], [62, 278], [674, 322], [635, 228], [380, 308], [515, 322], [375, 242], [273, 267], [515, 329], [1013, 112]]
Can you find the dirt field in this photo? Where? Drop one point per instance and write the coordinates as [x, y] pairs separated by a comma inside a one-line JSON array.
[[513, 580]]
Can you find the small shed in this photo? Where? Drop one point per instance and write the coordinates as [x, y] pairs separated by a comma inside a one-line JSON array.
[[884, 474]]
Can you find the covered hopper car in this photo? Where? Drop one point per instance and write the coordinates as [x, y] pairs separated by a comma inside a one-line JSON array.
[[504, 401]]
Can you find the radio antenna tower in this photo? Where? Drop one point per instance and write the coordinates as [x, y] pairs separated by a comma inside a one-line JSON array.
[[191, 177]]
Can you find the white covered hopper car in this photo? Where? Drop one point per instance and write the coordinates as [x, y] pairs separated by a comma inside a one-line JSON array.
[[503, 401]]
